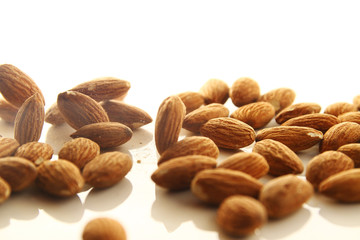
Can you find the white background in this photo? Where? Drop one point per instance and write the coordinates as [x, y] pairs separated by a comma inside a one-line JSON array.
[[164, 48]]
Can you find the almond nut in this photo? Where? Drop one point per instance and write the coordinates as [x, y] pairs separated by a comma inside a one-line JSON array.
[[296, 110], [5, 190], [318, 121], [339, 108], [352, 150], [53, 115], [191, 100], [280, 98], [350, 117], [8, 146], [103, 228], [243, 91], [36, 152], [215, 91]]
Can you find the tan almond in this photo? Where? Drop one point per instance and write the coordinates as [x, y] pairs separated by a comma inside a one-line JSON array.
[[5, 190], [124, 113], [340, 134], [243, 91], [168, 123], [241, 216], [281, 159], [107, 169], [257, 114], [318, 121], [285, 195], [356, 101], [53, 115], [339, 108], [18, 172], [296, 138], [352, 150], [195, 119], [177, 173], [191, 100], [79, 151], [8, 146], [59, 178], [350, 117], [106, 134], [8, 111], [215, 91], [326, 164], [193, 145], [29, 120], [296, 110], [212, 186], [103, 228], [36, 152], [280, 98], [16, 86], [251, 163], [343, 186], [228, 132]]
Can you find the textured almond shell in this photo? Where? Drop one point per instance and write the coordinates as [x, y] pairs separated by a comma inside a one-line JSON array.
[[280, 98], [339, 108], [353, 151], [318, 121], [34, 150], [53, 115], [243, 91], [191, 100], [296, 110], [8, 146], [350, 117], [215, 91]]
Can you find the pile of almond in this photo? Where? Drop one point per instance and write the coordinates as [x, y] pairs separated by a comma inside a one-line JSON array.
[[237, 186]]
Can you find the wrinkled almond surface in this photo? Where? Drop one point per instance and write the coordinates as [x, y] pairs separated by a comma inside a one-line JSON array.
[[350, 117], [243, 91], [280, 98], [34, 150], [215, 91], [352, 150], [8, 146], [339, 108], [191, 100], [318, 121], [296, 110]]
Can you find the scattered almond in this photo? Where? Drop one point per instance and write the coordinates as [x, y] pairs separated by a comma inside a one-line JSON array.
[[5, 190], [318, 121], [243, 91], [352, 150], [103, 228], [36, 152], [215, 91], [350, 117], [7, 111], [191, 100], [8, 146], [339, 108], [296, 110], [53, 115], [280, 98]]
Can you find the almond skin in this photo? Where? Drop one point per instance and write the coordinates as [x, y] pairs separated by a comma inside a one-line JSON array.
[[241, 215], [257, 114], [340, 134], [228, 132], [212, 186], [296, 138], [193, 145], [215, 91], [168, 123], [343, 186], [285, 195], [339, 108], [107, 169], [281, 159], [356, 101], [350, 117], [243, 91], [280, 98], [194, 120], [29, 120], [191, 100], [5, 190], [8, 146], [326, 164], [7, 111], [296, 110], [318, 121], [79, 109], [251, 163], [352, 150], [16, 86], [54, 116], [36, 152], [103, 228], [177, 173], [106, 134]]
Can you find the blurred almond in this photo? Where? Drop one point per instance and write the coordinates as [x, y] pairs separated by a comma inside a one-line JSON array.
[[350, 117], [103, 228], [243, 91], [36, 152], [215, 91], [356, 101], [296, 110], [318, 121], [192, 100], [53, 115], [352, 150], [8, 146], [280, 98], [339, 108], [8, 111], [5, 190]]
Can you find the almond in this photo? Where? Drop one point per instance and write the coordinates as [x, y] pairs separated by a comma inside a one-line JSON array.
[[177, 173], [29, 120], [124, 113], [339, 108], [251, 163], [281, 159], [241, 215], [257, 114], [193, 145], [8, 146], [285, 195], [79, 151], [350, 117], [191, 100], [16, 86], [340, 134], [59, 178], [352, 150], [326, 164], [296, 138], [36, 152], [280, 98], [318, 121], [104, 228], [195, 119], [243, 91], [18, 172], [5, 190], [169, 119], [296, 110], [106, 134], [343, 186], [79, 109], [212, 186], [356, 101], [107, 169], [215, 91], [7, 111], [228, 132], [53, 115]]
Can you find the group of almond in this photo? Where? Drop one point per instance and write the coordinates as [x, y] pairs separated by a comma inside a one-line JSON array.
[[234, 185]]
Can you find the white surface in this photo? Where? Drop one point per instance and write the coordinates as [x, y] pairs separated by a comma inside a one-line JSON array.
[[163, 48]]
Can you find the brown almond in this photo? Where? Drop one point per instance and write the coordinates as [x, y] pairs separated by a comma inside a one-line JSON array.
[[228, 132], [107, 169], [243, 91], [29, 120], [296, 138], [212, 186], [280, 98], [36, 152], [195, 119], [5, 190], [318, 121], [106, 134], [215, 91], [340, 134], [168, 123], [343, 186], [296, 110], [281, 159], [352, 150], [177, 173], [350, 117], [257, 114], [8, 146], [285, 195], [356, 101], [79, 109], [193, 145], [191, 100], [339, 108], [103, 228], [326, 164], [8, 111], [53, 115], [16, 86]]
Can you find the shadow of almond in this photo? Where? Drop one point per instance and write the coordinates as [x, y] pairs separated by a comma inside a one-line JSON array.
[[56, 136]]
